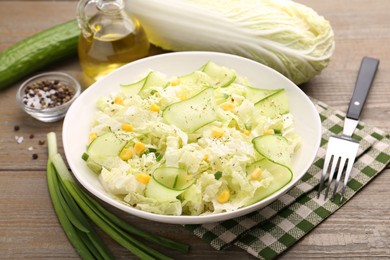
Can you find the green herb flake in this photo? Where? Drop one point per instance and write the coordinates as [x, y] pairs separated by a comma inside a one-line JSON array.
[[158, 157], [218, 175], [85, 156]]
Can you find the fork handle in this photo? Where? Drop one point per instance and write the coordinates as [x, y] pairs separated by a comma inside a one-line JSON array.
[[365, 78]]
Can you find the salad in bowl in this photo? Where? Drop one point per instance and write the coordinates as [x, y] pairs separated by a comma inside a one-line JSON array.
[[195, 146]]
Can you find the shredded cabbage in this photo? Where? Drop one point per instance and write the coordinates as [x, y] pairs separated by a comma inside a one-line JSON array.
[[201, 154]]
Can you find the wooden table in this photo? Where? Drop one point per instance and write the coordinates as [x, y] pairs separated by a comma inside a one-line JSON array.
[[29, 227]]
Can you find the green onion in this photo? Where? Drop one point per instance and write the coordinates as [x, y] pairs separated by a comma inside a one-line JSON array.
[[158, 157], [75, 224], [277, 131], [85, 156], [72, 205], [150, 150], [218, 175]]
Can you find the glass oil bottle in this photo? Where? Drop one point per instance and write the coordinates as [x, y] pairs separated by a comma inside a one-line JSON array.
[[109, 37]]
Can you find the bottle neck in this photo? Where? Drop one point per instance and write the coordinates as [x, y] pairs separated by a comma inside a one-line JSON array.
[[110, 6]]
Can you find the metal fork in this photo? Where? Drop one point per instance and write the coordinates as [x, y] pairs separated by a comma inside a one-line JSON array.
[[342, 150]]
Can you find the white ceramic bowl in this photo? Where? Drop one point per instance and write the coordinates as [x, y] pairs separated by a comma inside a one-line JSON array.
[[77, 122]]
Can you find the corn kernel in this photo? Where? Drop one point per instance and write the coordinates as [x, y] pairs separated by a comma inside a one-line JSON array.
[[182, 96], [154, 108], [223, 196], [91, 137], [246, 132], [256, 174], [127, 127], [118, 100], [269, 132], [175, 82], [143, 178], [139, 148], [126, 154], [217, 132], [228, 107]]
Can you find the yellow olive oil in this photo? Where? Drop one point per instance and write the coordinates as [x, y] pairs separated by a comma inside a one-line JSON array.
[[112, 43]]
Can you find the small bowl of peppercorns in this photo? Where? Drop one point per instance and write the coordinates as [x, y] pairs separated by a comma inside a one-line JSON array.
[[48, 96]]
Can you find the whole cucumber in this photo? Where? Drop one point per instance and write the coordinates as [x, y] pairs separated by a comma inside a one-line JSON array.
[[37, 51]]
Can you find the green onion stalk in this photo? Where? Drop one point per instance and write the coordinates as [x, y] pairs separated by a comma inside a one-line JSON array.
[[76, 210]]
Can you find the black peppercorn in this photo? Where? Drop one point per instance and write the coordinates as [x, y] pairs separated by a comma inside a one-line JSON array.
[[47, 94]]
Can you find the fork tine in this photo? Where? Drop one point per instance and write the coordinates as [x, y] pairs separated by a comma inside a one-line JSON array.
[[328, 156], [339, 173], [346, 177], [332, 170]]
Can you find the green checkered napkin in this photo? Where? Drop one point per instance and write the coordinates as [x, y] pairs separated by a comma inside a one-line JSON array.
[[268, 232]]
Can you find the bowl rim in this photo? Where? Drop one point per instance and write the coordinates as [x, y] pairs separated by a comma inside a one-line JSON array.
[[184, 219], [75, 85]]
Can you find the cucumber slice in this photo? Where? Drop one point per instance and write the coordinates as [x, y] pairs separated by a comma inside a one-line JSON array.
[[153, 79], [104, 146], [143, 86], [167, 183], [133, 88], [94, 166], [173, 178], [196, 79], [256, 94], [223, 76], [275, 148], [156, 190], [191, 114], [274, 105], [194, 82], [167, 176], [282, 175], [108, 144]]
